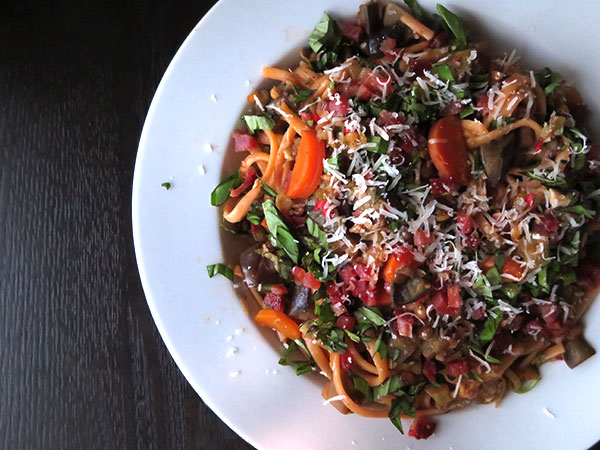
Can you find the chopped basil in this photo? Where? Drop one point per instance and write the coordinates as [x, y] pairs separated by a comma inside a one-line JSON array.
[[511, 290], [302, 366], [444, 72], [317, 232], [493, 276], [542, 279], [392, 385], [259, 123], [490, 327], [353, 337], [580, 210], [372, 314], [488, 358], [280, 232], [381, 144], [401, 406], [268, 189], [253, 218], [220, 268], [482, 285], [333, 339], [415, 9], [324, 312], [380, 346], [474, 376], [166, 185], [361, 385], [558, 182], [327, 35], [221, 193], [302, 95], [455, 25], [467, 112]]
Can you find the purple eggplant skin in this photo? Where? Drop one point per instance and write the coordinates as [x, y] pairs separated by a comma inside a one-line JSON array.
[[300, 303], [256, 268], [577, 351]]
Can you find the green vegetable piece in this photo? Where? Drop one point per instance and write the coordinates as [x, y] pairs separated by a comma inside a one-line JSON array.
[[580, 210], [327, 35], [221, 193], [373, 315], [268, 189], [490, 327], [317, 232], [401, 406], [166, 185], [259, 123], [415, 9], [280, 232], [381, 145], [558, 182], [455, 25], [527, 386], [219, 268], [443, 71]]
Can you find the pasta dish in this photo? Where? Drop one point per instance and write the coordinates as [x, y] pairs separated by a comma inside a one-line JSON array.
[[419, 214]]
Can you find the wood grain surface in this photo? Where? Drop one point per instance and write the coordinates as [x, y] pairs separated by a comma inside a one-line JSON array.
[[81, 364]]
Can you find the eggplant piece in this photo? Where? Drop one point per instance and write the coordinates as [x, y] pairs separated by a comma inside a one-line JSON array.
[[405, 345], [497, 156], [409, 291], [299, 303], [577, 351], [369, 18], [256, 268]]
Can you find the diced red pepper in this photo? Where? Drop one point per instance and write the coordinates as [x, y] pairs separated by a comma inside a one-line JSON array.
[[345, 322], [529, 199], [429, 370], [458, 367], [465, 223], [538, 146], [274, 301], [422, 238], [243, 141], [421, 428]]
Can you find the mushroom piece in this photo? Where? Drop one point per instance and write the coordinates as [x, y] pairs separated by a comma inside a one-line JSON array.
[[497, 156], [577, 351]]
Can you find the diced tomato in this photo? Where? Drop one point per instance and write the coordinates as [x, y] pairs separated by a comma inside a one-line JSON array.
[[422, 238], [298, 273], [404, 324], [352, 32], [429, 370], [478, 312], [387, 44], [403, 257], [305, 278], [359, 280], [458, 367], [274, 301], [454, 300], [387, 118], [372, 81], [452, 108], [418, 66], [441, 186], [483, 102], [548, 225], [338, 105], [440, 304], [529, 199], [346, 360], [345, 322], [243, 141], [465, 223], [279, 289], [511, 270], [409, 140], [472, 241], [248, 181], [363, 92], [421, 428], [334, 292]]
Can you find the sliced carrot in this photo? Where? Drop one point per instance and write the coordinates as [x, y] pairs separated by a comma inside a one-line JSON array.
[[395, 262], [279, 322], [448, 150], [308, 168]]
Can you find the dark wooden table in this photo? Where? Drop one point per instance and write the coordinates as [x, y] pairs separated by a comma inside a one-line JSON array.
[[82, 365]]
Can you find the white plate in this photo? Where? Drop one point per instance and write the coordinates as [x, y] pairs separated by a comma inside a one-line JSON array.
[[177, 235]]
